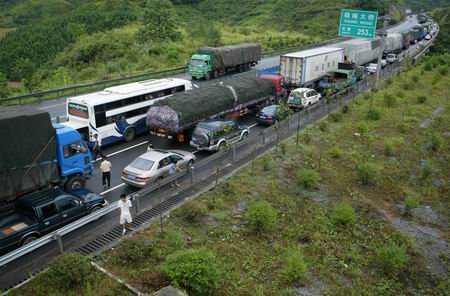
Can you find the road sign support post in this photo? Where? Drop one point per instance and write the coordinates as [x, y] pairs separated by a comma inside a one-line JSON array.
[[380, 54]]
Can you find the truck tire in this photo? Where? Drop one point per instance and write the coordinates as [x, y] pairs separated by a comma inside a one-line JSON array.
[[208, 76], [28, 239], [130, 134], [241, 68], [222, 146], [216, 74], [95, 209], [74, 183]]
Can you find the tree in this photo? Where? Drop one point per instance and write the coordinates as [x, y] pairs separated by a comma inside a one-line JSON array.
[[4, 89], [159, 20]]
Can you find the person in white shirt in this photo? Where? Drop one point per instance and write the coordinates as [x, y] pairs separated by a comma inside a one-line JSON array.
[[105, 168], [124, 206]]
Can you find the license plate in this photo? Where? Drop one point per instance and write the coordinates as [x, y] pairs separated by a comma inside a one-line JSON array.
[[161, 130], [131, 177]]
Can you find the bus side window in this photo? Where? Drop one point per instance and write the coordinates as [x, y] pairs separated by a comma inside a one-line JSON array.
[[180, 88], [149, 97]]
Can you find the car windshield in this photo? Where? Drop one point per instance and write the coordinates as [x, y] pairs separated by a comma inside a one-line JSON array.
[[197, 63], [142, 164], [269, 109], [390, 56]]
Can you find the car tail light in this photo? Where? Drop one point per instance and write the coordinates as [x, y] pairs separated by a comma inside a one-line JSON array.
[[211, 142], [142, 178], [269, 116]]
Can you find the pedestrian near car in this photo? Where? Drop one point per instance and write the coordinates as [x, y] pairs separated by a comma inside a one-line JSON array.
[[124, 206], [97, 149], [105, 168], [173, 168]]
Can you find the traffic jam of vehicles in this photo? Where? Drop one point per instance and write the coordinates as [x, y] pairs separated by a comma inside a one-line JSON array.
[[44, 174]]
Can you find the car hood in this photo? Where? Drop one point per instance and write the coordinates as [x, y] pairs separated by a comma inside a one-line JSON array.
[[87, 195]]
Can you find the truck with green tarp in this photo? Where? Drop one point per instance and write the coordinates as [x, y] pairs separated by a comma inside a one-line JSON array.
[[176, 116], [37, 154], [211, 62]]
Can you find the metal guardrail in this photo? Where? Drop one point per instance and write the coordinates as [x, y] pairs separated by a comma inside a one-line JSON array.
[[266, 137], [77, 88]]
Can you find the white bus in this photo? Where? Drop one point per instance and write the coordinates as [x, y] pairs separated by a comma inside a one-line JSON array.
[[118, 113]]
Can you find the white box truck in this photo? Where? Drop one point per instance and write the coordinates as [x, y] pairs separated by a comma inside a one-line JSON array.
[[359, 51], [303, 68]]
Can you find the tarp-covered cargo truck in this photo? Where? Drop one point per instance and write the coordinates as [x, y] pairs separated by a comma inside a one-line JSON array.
[[359, 51], [393, 43], [211, 62], [304, 68], [422, 31], [175, 116], [415, 35], [406, 36], [37, 154], [344, 76]]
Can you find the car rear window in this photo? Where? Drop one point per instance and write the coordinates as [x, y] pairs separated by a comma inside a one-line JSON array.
[[269, 109], [142, 164]]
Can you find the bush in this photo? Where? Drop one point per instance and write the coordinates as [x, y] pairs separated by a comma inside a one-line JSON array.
[[283, 148], [389, 100], [69, 271], [436, 142], [345, 109], [392, 258], [195, 270], [336, 117], [323, 126], [261, 215], [443, 70], [421, 99], [368, 172], [400, 94], [343, 214], [428, 66], [132, 250], [192, 211], [411, 202], [294, 269], [436, 78], [408, 86], [390, 144], [426, 169], [388, 81], [308, 178], [415, 78], [402, 127], [336, 152], [362, 128], [373, 114], [367, 96], [167, 243], [265, 163]]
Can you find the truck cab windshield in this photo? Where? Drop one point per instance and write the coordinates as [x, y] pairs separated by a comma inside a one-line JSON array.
[[198, 63]]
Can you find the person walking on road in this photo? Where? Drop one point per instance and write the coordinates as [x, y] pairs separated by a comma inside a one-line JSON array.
[[124, 206], [105, 168], [173, 168], [97, 149]]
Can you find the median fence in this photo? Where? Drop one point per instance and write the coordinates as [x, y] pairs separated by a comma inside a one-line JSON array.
[[206, 173]]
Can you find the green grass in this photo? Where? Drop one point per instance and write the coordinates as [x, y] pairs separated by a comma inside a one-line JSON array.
[[364, 257]]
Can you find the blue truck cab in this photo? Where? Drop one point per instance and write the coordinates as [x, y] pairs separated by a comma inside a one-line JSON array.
[[73, 157]]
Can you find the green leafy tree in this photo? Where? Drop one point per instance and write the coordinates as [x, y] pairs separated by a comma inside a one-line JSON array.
[[159, 20], [4, 89]]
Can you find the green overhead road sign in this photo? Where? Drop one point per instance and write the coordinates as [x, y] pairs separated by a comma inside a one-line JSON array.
[[358, 23]]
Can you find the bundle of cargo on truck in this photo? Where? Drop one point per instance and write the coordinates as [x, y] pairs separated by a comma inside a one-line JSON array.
[[28, 155], [233, 55], [393, 43], [183, 110]]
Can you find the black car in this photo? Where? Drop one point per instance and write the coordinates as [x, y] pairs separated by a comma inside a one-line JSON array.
[[271, 115], [42, 212], [213, 135]]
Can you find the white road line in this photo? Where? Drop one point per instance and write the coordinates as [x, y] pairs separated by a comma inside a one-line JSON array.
[[123, 150], [51, 106], [112, 189], [253, 125]]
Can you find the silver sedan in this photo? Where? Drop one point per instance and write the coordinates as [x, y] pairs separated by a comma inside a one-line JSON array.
[[153, 166]]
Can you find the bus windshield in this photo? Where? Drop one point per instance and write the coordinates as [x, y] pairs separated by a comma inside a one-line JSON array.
[[78, 110]]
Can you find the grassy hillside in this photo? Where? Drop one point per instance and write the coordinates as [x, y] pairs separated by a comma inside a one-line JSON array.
[[442, 17], [58, 43], [360, 207]]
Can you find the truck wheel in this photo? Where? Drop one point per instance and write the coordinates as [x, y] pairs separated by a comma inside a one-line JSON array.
[[208, 76], [95, 209], [244, 136], [74, 183], [221, 147], [241, 68], [130, 134], [28, 240], [216, 74]]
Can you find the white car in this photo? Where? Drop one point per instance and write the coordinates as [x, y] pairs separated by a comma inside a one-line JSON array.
[[428, 37], [391, 58], [372, 68], [300, 98]]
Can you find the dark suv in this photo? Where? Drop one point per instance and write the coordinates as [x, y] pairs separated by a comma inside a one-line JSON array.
[[213, 135]]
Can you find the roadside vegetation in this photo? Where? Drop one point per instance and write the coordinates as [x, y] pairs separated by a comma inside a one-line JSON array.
[[357, 208], [53, 44]]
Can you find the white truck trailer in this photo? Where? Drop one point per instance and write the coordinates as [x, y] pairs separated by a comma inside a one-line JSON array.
[[360, 51], [303, 68]]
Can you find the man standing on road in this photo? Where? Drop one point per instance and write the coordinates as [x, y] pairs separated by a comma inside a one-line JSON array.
[[97, 149], [173, 168], [105, 168], [124, 206]]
